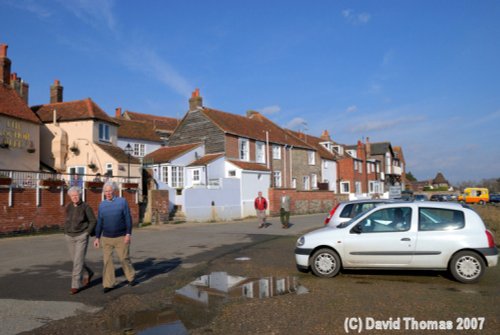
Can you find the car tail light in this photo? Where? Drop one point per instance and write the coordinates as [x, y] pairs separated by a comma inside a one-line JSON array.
[[330, 215], [491, 239]]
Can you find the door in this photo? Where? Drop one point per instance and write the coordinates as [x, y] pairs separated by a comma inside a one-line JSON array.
[[385, 238]]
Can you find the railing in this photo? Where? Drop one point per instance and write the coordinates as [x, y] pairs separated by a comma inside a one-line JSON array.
[[32, 179]]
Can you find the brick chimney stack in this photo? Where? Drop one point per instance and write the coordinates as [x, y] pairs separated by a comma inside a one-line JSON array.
[[196, 101], [118, 112], [20, 86], [325, 136], [5, 65], [56, 92], [368, 148]]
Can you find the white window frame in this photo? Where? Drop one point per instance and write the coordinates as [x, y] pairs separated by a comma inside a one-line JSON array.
[[139, 149], [311, 157], [244, 149], [294, 182], [164, 175], [196, 176], [109, 169], [357, 187], [306, 182], [277, 178], [260, 152], [104, 132], [314, 181], [345, 187], [360, 167], [276, 151]]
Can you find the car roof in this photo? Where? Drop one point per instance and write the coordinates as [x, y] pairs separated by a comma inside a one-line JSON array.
[[433, 204], [369, 200]]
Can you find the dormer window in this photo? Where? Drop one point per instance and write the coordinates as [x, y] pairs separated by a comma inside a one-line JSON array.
[[338, 149], [103, 132]]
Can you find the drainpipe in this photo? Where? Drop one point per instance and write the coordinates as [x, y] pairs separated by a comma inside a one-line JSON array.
[[267, 148], [291, 164], [284, 166]]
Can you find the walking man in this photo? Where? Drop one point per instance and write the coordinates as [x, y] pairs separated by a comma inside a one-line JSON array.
[[113, 231], [260, 205], [285, 210], [78, 226]]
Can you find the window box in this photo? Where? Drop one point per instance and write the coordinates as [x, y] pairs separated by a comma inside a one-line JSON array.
[[51, 183], [130, 185], [94, 184], [5, 181]]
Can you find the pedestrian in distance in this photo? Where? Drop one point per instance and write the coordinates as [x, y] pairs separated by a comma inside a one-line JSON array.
[[113, 232], [285, 210], [78, 226], [260, 205]]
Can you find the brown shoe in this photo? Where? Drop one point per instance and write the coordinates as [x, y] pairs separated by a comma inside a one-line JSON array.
[[86, 280], [74, 291]]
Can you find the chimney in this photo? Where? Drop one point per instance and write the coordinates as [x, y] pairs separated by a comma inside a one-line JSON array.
[[368, 147], [5, 65], [56, 92], [251, 113], [196, 100], [325, 136], [118, 112]]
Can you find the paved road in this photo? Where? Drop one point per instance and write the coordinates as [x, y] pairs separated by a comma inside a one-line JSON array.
[[35, 275]]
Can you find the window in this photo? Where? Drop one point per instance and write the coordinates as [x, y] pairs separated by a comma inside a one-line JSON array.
[[164, 174], [314, 181], [440, 219], [260, 152], [357, 186], [177, 176], [307, 186], [374, 186], [360, 167], [393, 219], [103, 132], [138, 150], [294, 182], [231, 173], [311, 158], [196, 176], [244, 150], [344, 187], [277, 178], [276, 152], [109, 169]]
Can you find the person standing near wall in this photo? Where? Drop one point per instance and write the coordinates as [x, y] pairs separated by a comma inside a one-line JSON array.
[[78, 226], [260, 205], [113, 231], [285, 210]]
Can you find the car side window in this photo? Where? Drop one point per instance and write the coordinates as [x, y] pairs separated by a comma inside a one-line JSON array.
[[346, 212], [387, 220], [432, 219]]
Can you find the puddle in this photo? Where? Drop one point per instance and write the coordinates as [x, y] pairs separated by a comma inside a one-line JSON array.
[[197, 303]]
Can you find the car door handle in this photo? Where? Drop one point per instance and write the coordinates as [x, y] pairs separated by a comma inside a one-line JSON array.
[[405, 239]]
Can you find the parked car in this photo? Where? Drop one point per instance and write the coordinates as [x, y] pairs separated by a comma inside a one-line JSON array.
[[420, 197], [439, 197], [494, 198], [405, 235], [345, 211]]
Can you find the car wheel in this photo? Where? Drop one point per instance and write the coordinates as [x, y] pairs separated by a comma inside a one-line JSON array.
[[467, 267], [325, 263]]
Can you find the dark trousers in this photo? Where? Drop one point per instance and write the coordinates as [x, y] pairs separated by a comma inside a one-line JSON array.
[[285, 217]]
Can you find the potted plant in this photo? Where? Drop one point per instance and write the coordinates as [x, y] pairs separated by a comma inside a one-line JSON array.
[[74, 148], [94, 184], [51, 183], [31, 148], [92, 166], [5, 180]]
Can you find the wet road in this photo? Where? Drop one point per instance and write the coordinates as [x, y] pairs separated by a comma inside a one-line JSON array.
[[35, 275]]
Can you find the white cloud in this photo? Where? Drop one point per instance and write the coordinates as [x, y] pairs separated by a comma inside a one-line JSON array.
[[376, 125], [154, 66], [297, 123], [354, 18], [270, 110], [92, 12], [30, 6], [352, 109]]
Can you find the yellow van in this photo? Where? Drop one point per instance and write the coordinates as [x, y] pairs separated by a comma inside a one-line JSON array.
[[475, 195]]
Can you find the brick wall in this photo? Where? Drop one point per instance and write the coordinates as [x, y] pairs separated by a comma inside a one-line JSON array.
[[304, 202], [25, 216]]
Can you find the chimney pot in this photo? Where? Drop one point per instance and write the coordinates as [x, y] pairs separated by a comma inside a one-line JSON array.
[[118, 112], [196, 100]]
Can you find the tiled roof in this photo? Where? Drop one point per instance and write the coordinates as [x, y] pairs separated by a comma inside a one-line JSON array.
[[254, 127], [315, 142], [137, 130], [12, 105], [166, 154], [439, 179], [380, 148], [72, 111], [117, 153], [160, 122], [206, 159], [249, 166]]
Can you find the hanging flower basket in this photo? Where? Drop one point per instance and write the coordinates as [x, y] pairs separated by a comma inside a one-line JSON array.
[[130, 185], [5, 181], [92, 166], [51, 183], [94, 184]]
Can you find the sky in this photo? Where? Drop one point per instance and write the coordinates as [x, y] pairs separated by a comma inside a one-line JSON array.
[[423, 75]]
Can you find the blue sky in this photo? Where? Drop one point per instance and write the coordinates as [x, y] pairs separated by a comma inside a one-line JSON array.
[[423, 75]]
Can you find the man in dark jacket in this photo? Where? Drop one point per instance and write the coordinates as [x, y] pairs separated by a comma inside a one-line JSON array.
[[114, 230], [79, 225]]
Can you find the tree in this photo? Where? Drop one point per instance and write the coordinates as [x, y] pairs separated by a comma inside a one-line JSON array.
[[410, 177]]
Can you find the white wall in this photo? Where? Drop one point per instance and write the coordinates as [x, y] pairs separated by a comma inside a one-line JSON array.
[[251, 184]]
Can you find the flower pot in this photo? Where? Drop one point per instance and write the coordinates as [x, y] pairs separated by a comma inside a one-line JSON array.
[[51, 183], [130, 185], [94, 184], [5, 181]]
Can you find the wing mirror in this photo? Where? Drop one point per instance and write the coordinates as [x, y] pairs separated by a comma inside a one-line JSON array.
[[357, 229]]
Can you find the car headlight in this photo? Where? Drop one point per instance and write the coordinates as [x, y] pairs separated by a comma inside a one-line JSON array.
[[301, 241]]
